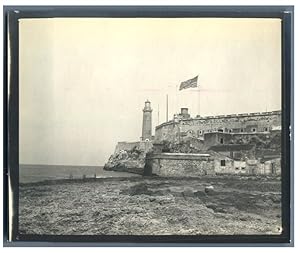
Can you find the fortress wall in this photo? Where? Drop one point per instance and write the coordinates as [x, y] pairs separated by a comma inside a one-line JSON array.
[[196, 165], [181, 165], [127, 146], [145, 145], [196, 127], [232, 123], [246, 137], [214, 138], [273, 167], [168, 132]]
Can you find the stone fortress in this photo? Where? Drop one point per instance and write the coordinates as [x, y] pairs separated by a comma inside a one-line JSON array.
[[248, 143], [198, 127]]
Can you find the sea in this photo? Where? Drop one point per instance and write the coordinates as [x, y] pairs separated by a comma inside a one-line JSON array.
[[29, 173]]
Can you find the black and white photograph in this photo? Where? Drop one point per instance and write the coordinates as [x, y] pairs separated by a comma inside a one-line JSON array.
[[150, 126]]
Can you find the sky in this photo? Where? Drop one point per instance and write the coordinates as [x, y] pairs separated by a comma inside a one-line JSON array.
[[84, 81]]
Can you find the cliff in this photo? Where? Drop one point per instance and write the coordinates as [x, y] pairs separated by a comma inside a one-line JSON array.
[[129, 158]]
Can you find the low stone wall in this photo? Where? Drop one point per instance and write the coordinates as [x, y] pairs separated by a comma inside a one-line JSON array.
[[250, 167], [225, 168], [179, 165], [127, 146], [272, 167], [195, 165]]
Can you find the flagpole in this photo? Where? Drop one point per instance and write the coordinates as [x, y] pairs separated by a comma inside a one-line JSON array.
[[176, 94], [199, 101]]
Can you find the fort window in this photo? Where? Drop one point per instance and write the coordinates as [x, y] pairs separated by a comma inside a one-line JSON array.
[[253, 129], [221, 140], [230, 130], [236, 168], [242, 130], [243, 168], [266, 129], [220, 130], [222, 162]]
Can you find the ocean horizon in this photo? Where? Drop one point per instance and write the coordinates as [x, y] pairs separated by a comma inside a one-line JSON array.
[[29, 173]]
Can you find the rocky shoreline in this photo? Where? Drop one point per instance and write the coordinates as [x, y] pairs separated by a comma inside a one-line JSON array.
[[152, 206], [132, 161]]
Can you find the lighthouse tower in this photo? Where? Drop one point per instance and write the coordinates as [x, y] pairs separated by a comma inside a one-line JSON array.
[[147, 122]]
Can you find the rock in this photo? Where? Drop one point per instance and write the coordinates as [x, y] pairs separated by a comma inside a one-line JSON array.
[[209, 189], [200, 194], [162, 200], [152, 199], [243, 218], [188, 192], [127, 161], [137, 189], [177, 193], [275, 199], [211, 206], [220, 210]]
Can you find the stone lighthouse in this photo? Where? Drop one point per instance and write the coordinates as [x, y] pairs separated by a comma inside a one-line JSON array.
[[147, 122]]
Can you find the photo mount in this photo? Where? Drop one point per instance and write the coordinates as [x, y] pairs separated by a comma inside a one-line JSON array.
[[12, 14]]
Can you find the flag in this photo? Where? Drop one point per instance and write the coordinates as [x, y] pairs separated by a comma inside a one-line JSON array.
[[191, 83]]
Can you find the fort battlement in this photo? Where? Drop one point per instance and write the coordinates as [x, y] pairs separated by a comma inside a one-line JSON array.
[[128, 146], [232, 123], [239, 115]]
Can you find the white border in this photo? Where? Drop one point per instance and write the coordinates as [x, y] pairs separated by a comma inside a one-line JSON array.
[[177, 2]]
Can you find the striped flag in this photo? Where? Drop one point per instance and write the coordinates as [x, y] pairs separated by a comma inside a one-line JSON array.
[[191, 83]]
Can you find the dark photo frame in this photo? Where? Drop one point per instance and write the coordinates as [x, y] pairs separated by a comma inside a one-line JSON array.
[[12, 15]]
